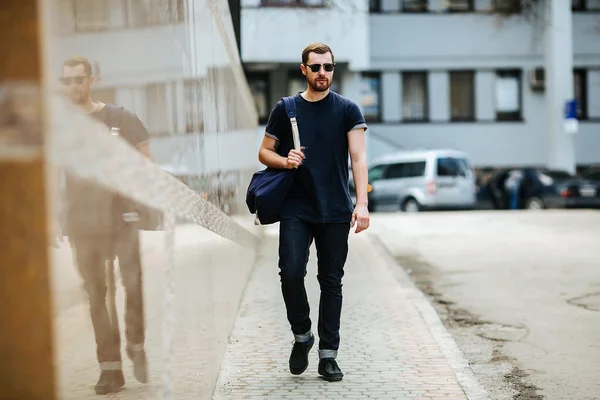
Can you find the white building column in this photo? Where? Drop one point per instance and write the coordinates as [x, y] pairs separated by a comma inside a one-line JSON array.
[[559, 82]]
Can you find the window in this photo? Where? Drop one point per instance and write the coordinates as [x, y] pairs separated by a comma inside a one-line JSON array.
[[375, 173], [293, 3], [154, 12], [585, 5], [508, 95], [394, 171], [593, 5], [414, 96], [374, 6], [507, 6], [462, 96], [414, 5], [447, 166], [580, 91], [460, 6], [157, 109], [259, 87], [414, 169], [194, 116], [370, 94], [90, 15]]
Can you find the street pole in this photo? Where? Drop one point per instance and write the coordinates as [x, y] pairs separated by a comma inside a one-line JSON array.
[[559, 82], [26, 346]]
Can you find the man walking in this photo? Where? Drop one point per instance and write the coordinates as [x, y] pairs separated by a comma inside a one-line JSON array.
[[98, 234], [318, 205]]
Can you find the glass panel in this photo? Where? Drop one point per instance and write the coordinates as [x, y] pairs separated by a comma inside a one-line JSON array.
[[462, 96], [369, 96], [414, 96], [158, 244]]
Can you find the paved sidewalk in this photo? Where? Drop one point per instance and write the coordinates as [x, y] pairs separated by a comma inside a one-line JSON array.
[[209, 277], [393, 345]]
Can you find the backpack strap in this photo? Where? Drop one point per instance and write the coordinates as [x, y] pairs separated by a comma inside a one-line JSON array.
[[290, 109]]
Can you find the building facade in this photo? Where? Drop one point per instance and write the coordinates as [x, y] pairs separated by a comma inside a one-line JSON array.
[[464, 74]]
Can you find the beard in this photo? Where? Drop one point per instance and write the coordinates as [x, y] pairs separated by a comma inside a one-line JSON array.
[[77, 96], [319, 84]]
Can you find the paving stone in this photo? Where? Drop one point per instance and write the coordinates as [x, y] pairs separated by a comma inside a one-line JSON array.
[[386, 351]]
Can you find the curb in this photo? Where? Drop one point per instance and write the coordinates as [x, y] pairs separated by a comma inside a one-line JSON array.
[[473, 389]]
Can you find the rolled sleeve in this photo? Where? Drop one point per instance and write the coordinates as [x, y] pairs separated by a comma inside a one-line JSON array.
[[355, 118]]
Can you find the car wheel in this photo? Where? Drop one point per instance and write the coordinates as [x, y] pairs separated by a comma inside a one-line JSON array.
[[534, 203], [411, 205]]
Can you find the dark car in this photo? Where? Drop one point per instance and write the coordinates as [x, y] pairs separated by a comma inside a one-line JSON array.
[[545, 188]]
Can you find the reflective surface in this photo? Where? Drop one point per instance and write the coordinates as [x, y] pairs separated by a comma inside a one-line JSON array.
[[152, 256]]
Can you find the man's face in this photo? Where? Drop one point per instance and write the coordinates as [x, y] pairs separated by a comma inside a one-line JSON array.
[[77, 83], [320, 80]]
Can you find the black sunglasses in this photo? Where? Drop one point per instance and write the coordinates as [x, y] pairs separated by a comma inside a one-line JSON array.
[[328, 67], [75, 79]]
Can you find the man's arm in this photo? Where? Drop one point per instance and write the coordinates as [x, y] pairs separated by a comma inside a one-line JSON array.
[[358, 157], [269, 157]]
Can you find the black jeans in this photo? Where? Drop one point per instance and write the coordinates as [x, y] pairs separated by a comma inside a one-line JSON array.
[[91, 252], [331, 242]]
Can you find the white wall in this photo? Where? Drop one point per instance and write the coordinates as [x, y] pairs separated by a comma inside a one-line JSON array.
[[279, 34]]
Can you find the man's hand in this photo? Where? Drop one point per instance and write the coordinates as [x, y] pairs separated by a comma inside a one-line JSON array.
[[360, 218], [295, 158]]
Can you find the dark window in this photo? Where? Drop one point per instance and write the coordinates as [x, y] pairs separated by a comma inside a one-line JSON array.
[[414, 96], [580, 91], [578, 5], [394, 171], [414, 5], [376, 173], [460, 6], [585, 5], [370, 96], [508, 95], [259, 87], [507, 6], [414, 169], [447, 166], [592, 5], [374, 6], [462, 96]]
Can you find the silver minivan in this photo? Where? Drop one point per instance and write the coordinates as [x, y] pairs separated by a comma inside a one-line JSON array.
[[416, 180]]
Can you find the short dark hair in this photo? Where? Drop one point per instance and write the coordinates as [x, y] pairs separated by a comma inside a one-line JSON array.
[[79, 60], [318, 48]]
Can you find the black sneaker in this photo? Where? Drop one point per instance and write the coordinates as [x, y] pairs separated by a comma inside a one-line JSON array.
[[110, 382], [140, 365], [329, 370], [299, 356]]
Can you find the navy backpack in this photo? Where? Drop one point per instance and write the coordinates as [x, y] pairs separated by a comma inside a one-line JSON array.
[[269, 187]]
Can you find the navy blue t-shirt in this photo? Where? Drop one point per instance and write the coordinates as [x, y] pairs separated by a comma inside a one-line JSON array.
[[319, 193]]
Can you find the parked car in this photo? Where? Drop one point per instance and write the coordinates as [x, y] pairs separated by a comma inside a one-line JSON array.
[[545, 188], [418, 180], [592, 176]]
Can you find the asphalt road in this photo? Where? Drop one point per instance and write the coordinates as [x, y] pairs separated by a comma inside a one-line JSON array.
[[519, 291]]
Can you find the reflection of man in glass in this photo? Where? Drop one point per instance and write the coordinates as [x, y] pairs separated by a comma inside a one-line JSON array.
[[98, 233]]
